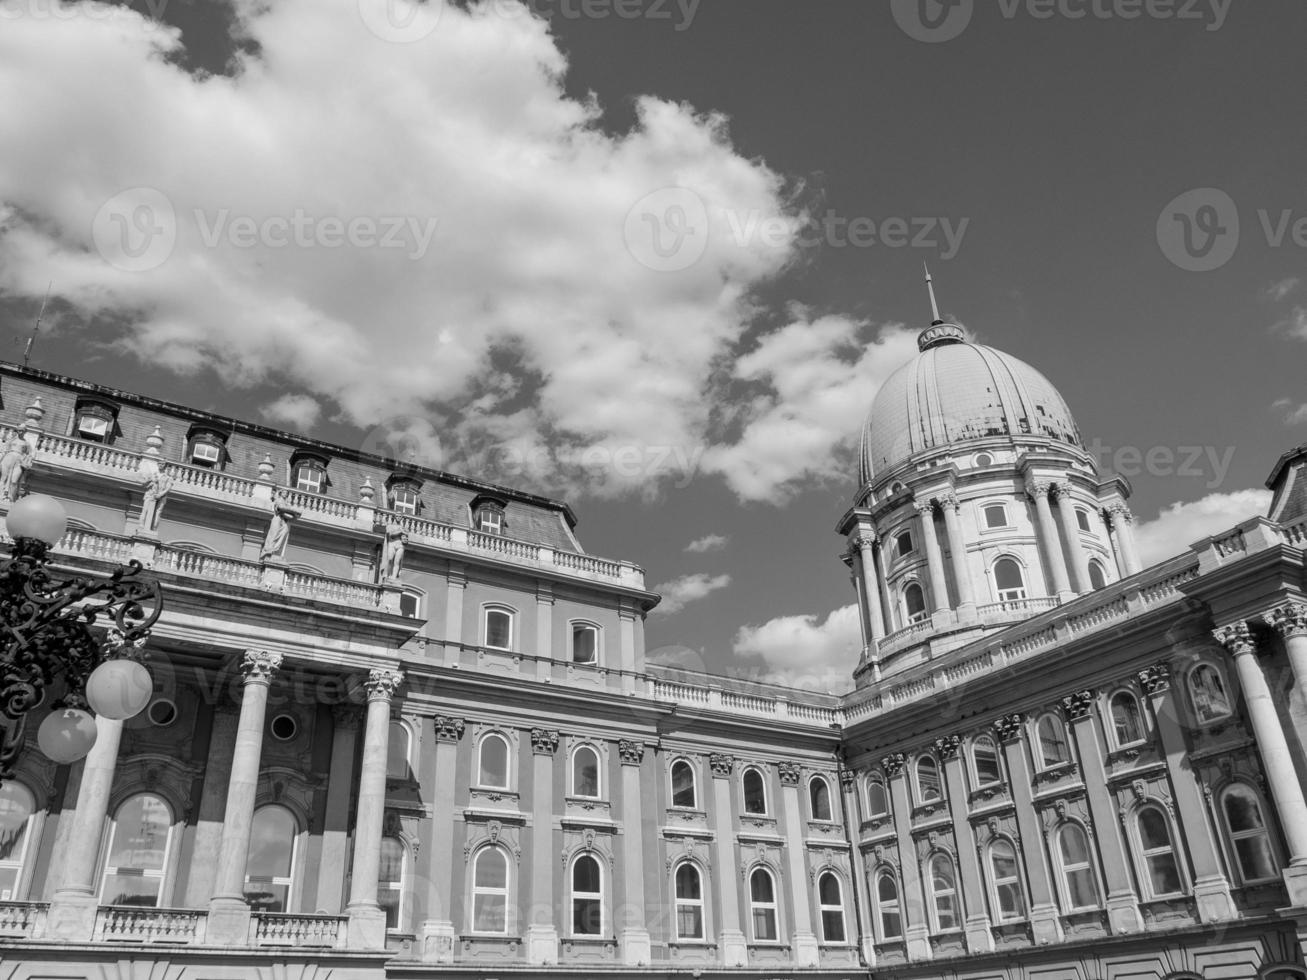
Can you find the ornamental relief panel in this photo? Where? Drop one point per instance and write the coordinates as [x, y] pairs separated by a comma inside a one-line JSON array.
[[761, 852], [1242, 765], [1055, 811], [995, 827], [1155, 787], [941, 839], [496, 833], [588, 840], [875, 855], [293, 789], [695, 849]]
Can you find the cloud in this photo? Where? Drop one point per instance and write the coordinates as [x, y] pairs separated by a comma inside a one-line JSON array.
[[1276, 291], [680, 592], [1293, 326], [798, 651], [299, 412], [1181, 524], [709, 542], [1294, 413]]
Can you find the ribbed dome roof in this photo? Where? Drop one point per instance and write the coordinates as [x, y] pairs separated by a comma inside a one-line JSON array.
[[955, 392]]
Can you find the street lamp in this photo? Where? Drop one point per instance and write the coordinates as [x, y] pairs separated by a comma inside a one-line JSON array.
[[46, 632]]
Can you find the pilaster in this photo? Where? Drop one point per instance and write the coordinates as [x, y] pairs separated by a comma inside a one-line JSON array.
[[438, 933], [632, 933], [979, 937], [346, 719], [541, 930], [734, 948], [916, 933]]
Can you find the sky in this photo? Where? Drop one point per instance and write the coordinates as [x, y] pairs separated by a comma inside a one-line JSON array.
[[655, 257]]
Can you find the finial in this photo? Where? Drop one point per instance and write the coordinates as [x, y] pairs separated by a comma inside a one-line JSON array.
[[936, 320]]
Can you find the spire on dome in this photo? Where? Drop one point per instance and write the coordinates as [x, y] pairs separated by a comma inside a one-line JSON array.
[[935, 319], [940, 331]]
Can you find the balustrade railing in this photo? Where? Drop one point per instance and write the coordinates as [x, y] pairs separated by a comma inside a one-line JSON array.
[[22, 920], [120, 923], [204, 565], [338, 590], [94, 544], [286, 929]]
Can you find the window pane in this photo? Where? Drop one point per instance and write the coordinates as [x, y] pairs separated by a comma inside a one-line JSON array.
[[829, 890], [120, 889], [1075, 846], [760, 887], [16, 805], [687, 882], [494, 761], [397, 766], [583, 644], [877, 798], [886, 889], [1007, 575], [1097, 578], [585, 768], [832, 925], [1208, 690], [1255, 858], [272, 843], [764, 924], [891, 924], [1125, 716], [140, 836], [915, 600], [820, 799], [1152, 829], [489, 913], [585, 875], [755, 796], [1242, 811], [928, 784], [492, 869], [499, 629], [392, 862], [1164, 874], [1052, 741], [682, 784], [689, 922], [986, 757], [995, 516], [587, 916]]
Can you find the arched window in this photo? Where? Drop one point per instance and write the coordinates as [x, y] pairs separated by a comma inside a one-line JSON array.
[[1097, 576], [587, 897], [585, 643], [888, 907], [1207, 691], [995, 516], [755, 791], [830, 899], [490, 891], [1127, 723], [929, 787], [689, 902], [270, 864], [138, 853], [1077, 872], [393, 881], [914, 603], [762, 905], [1005, 875], [819, 796], [1009, 583], [1287, 973], [493, 764], [984, 755], [16, 808], [585, 772], [1157, 851], [943, 893], [683, 785], [1053, 748], [1246, 826], [498, 628], [398, 746], [877, 798]]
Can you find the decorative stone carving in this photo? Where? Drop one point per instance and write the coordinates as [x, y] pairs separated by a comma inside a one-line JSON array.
[[865, 541], [382, 683], [33, 414], [721, 764], [1289, 619], [1079, 704], [1155, 679], [947, 500], [847, 777], [278, 528], [1038, 488], [266, 468], [1118, 515], [631, 753], [893, 764], [789, 773], [157, 485], [14, 464], [260, 665], [367, 492], [926, 508], [544, 741], [947, 746], [1237, 638], [448, 729], [392, 554], [1009, 726]]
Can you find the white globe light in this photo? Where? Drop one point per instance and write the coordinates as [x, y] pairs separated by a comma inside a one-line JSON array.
[[66, 735], [119, 689], [37, 516]]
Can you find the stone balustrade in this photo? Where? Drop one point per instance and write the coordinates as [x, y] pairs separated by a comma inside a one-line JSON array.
[[288, 929], [23, 920], [130, 924]]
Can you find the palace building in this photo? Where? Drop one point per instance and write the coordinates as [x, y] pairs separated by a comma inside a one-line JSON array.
[[403, 725]]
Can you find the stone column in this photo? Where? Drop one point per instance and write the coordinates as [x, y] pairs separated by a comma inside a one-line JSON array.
[[1122, 904], [632, 932], [882, 582], [1038, 492], [1290, 620], [229, 914], [72, 907], [859, 591], [367, 922], [1123, 525], [857, 866], [934, 558], [870, 585], [1114, 536], [807, 951], [1281, 776], [438, 929], [1045, 923], [335, 831], [735, 950], [1211, 887], [957, 547], [979, 938], [541, 930], [912, 900], [1066, 512]]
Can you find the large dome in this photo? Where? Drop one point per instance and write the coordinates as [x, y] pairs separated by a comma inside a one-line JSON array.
[[955, 392]]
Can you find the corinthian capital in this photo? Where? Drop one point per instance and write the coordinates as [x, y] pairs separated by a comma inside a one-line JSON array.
[[947, 501], [1079, 704], [448, 729], [1038, 488], [632, 753], [947, 746], [1290, 619], [893, 764], [1237, 638], [926, 508], [1156, 678], [1009, 727], [1118, 515], [544, 741], [382, 683], [258, 666], [721, 764], [865, 541]]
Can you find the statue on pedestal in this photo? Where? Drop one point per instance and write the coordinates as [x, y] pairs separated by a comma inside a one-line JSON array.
[[278, 528], [157, 485], [392, 557], [15, 461]]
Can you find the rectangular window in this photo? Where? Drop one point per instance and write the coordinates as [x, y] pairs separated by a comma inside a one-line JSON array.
[[499, 629], [309, 479], [903, 543], [205, 454], [584, 644], [93, 427]]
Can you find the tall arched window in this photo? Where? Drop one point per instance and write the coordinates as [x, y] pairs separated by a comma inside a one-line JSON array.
[[929, 787], [585, 772], [887, 906], [755, 791], [493, 763], [16, 808], [984, 755], [490, 891], [1005, 876], [819, 797], [914, 603], [1077, 872], [139, 846], [877, 798], [830, 899], [689, 902], [398, 751], [270, 864], [1053, 748], [1207, 691], [498, 628], [1246, 826], [762, 905], [943, 893], [587, 897], [683, 784], [1097, 576], [1009, 583], [392, 881], [1127, 722], [1158, 852]]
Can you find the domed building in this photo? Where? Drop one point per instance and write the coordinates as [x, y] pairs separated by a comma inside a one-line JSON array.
[[977, 504]]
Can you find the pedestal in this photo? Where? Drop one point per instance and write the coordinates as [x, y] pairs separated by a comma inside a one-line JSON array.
[[806, 951], [979, 938], [1295, 882], [229, 923], [542, 945], [1045, 924], [1123, 914], [71, 917], [1212, 896], [917, 942], [437, 941], [735, 950], [367, 927], [637, 947]]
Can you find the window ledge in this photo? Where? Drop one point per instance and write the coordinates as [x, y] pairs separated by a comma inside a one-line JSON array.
[[1054, 773]]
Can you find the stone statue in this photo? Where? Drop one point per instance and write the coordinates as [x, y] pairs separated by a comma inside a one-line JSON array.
[[279, 527], [14, 464], [392, 558], [157, 485]]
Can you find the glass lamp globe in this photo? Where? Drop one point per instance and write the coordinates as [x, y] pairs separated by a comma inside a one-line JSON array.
[[119, 689], [66, 735], [37, 516]]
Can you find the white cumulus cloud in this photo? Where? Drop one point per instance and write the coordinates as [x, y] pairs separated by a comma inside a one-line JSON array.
[[709, 542], [680, 592], [1181, 524], [805, 652], [298, 412]]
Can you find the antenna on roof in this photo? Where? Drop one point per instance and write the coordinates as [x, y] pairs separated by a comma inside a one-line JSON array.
[[936, 320], [27, 352]]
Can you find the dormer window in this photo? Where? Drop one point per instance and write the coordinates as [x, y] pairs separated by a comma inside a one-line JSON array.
[[308, 473], [206, 448], [95, 421], [488, 515], [404, 495]]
